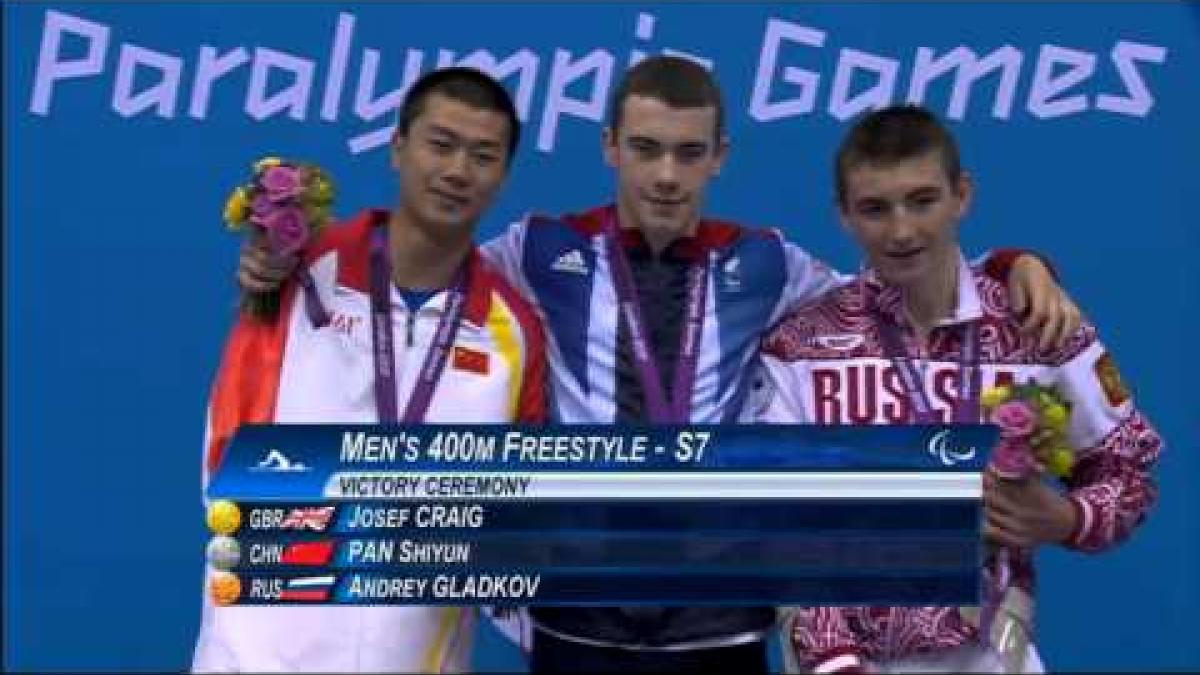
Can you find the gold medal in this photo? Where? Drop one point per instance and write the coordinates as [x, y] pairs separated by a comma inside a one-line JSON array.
[[224, 517]]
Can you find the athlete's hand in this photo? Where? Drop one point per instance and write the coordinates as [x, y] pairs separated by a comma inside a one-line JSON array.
[[259, 270], [1044, 307], [1025, 513]]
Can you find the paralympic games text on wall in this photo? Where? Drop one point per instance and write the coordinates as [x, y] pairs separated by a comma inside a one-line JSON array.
[[1058, 87]]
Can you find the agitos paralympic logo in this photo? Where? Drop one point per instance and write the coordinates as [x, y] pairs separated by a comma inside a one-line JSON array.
[[940, 446], [1062, 81]]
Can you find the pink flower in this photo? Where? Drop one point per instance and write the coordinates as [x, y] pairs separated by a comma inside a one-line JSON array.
[[1013, 459], [261, 205], [281, 183], [1016, 419], [287, 230]]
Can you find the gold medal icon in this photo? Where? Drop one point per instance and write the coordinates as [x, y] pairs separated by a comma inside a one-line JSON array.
[[224, 517], [226, 588]]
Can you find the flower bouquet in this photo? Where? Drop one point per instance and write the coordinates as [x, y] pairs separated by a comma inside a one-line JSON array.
[[287, 203], [1033, 421]]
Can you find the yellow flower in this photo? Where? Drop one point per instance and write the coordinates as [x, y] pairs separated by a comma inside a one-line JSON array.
[[1045, 440], [236, 208], [1061, 462], [266, 163], [1055, 416], [1045, 399], [318, 216], [321, 191], [994, 396]]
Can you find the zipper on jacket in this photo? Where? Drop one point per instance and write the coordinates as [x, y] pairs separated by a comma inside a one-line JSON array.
[[409, 325]]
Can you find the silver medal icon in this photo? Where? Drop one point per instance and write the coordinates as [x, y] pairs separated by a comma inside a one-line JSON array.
[[224, 553]]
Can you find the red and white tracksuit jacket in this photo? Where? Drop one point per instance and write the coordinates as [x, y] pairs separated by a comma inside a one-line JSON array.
[[827, 364], [289, 372]]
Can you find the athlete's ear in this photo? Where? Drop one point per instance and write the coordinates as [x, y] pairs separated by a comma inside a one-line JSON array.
[[611, 152], [843, 218], [397, 147], [721, 154], [964, 188]]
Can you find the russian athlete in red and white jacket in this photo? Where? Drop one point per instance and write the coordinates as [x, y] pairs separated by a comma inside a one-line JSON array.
[[827, 364], [290, 372]]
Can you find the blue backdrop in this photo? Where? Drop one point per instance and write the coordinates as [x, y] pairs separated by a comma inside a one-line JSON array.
[[122, 138]]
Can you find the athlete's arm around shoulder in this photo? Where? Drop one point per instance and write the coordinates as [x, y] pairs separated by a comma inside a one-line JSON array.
[[505, 253], [777, 375], [808, 278]]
